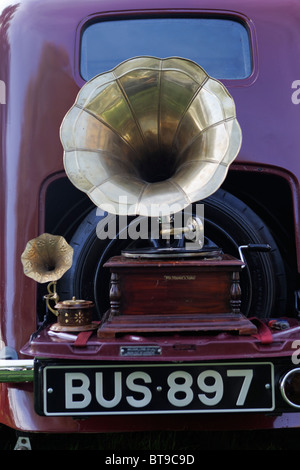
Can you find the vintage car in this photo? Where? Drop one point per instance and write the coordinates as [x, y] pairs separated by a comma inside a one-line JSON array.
[[107, 331]]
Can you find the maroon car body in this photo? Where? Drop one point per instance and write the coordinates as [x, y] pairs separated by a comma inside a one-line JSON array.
[[40, 78]]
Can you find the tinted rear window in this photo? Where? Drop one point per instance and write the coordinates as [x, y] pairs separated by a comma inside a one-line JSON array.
[[220, 46]]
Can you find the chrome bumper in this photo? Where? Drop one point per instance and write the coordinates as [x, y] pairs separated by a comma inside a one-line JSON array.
[[16, 370]]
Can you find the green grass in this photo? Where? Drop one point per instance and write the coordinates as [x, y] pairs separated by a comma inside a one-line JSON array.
[[283, 439]]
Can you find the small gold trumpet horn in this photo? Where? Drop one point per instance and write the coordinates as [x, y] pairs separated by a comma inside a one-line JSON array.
[[46, 259]]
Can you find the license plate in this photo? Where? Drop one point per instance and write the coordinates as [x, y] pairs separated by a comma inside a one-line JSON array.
[[154, 388]]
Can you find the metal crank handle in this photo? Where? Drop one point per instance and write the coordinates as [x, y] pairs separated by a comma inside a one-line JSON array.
[[262, 247]]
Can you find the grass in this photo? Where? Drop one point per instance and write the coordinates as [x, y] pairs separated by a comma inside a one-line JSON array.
[[283, 439]]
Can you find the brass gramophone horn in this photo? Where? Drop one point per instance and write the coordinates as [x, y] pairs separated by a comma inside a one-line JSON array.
[[45, 259], [150, 137]]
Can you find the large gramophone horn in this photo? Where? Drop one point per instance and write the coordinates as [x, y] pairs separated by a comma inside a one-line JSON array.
[[150, 137], [46, 259]]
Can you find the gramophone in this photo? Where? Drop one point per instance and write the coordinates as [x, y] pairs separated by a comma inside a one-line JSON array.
[[45, 259], [150, 138]]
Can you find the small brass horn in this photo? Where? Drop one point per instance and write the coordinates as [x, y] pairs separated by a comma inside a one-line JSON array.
[[45, 259]]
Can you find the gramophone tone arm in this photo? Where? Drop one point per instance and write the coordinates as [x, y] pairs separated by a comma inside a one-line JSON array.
[[176, 231], [193, 230], [53, 295]]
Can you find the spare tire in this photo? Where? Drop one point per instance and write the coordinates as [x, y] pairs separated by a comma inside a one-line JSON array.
[[229, 223]]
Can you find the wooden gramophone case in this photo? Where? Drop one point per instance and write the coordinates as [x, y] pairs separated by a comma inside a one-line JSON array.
[[174, 296]]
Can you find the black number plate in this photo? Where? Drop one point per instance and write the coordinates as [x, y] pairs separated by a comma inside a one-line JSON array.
[[154, 388]]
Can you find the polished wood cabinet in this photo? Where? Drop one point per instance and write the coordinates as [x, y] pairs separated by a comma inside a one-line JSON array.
[[148, 295]]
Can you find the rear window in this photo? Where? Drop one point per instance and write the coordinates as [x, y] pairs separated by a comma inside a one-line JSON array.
[[220, 46]]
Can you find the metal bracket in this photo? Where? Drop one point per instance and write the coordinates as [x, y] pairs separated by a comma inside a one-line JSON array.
[[23, 443]]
